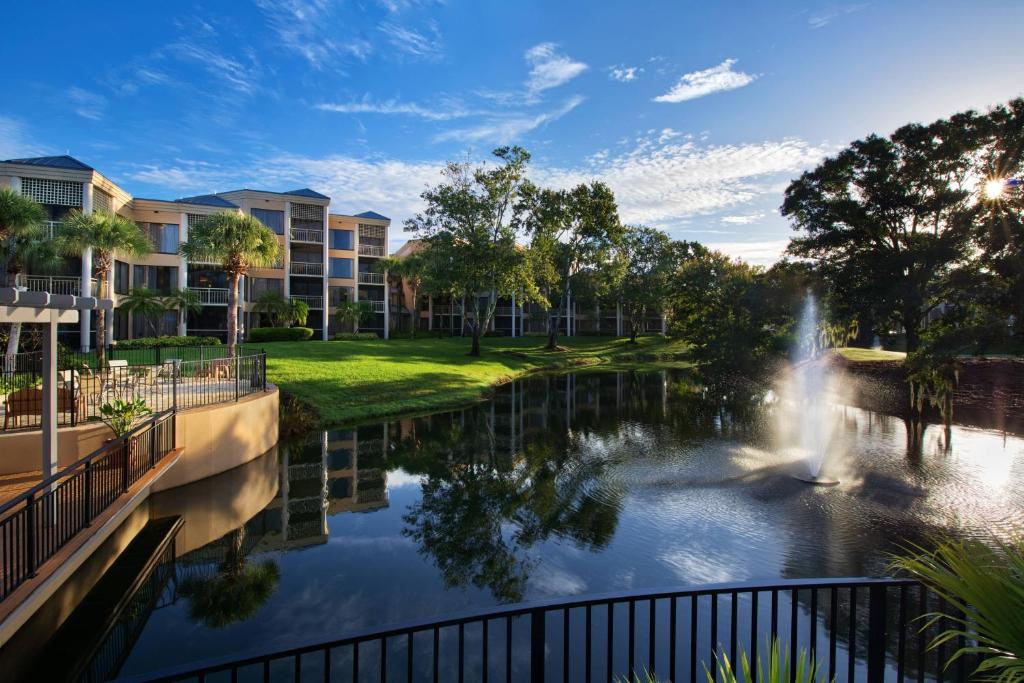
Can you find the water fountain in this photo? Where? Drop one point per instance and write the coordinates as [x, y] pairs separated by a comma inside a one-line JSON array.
[[809, 417]]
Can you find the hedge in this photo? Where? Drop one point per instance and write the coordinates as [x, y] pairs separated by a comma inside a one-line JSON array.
[[154, 342], [270, 334], [356, 336]]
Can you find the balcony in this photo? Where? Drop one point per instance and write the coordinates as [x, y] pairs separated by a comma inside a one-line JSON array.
[[306, 268], [211, 296], [371, 278], [55, 284], [371, 250], [307, 235], [448, 310], [375, 306], [314, 302]]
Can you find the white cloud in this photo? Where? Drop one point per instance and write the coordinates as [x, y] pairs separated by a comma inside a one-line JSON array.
[[508, 128], [242, 76], [744, 219], [411, 42], [761, 253], [826, 17], [312, 29], [88, 105], [14, 140], [444, 112], [549, 68], [624, 74], [700, 83]]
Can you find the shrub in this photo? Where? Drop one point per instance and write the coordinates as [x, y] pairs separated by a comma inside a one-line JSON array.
[[271, 334], [355, 336], [122, 416], [153, 342]]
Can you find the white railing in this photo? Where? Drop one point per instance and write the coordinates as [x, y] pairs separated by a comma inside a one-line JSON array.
[[211, 296], [314, 302], [52, 228], [371, 278], [307, 235], [304, 268], [370, 250], [55, 284], [447, 310], [375, 306]]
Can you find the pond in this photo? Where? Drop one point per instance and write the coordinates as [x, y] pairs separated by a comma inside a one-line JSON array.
[[559, 485]]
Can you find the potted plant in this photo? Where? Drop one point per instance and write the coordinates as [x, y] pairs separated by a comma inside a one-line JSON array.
[[121, 416]]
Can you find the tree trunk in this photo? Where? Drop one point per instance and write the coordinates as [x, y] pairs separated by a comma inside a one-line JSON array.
[[475, 349], [233, 314], [414, 319], [911, 322], [15, 333], [553, 326], [101, 323]]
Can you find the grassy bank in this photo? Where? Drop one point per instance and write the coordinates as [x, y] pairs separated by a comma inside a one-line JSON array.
[[861, 355], [353, 380]]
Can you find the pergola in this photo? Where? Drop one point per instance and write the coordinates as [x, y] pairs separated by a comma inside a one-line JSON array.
[[42, 308]]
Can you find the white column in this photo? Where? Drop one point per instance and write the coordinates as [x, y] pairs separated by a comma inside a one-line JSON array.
[[513, 314], [664, 325], [49, 408], [108, 332], [16, 184], [182, 271], [85, 317], [325, 311], [430, 313], [618, 320], [286, 259], [570, 318], [387, 306]]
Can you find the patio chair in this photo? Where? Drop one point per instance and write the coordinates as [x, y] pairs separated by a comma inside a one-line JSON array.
[[28, 402]]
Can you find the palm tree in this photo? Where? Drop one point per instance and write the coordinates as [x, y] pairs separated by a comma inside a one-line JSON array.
[[281, 311], [147, 303], [105, 233], [22, 239], [184, 301], [409, 269], [352, 313], [238, 243]]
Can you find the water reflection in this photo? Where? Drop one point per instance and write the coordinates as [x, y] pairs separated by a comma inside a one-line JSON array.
[[570, 484]]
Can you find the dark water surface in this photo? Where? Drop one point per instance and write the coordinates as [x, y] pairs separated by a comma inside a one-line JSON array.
[[558, 486]]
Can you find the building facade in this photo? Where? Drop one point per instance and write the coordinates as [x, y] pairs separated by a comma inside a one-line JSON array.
[[326, 259]]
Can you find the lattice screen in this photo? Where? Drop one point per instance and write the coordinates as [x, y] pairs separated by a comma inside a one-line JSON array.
[[307, 212], [101, 201], [366, 230], [56, 192], [194, 218]]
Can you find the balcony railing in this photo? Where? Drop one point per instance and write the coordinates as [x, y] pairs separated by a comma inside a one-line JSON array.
[[447, 310], [371, 278], [314, 302], [211, 296], [506, 311], [52, 228], [55, 284], [307, 235], [375, 306], [306, 268], [858, 629], [371, 250]]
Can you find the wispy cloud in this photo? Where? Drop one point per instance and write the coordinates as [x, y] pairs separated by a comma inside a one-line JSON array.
[[87, 104], [15, 141], [241, 76], [511, 127], [314, 30], [443, 112], [743, 219], [413, 43], [549, 68], [826, 17], [624, 74], [700, 83]]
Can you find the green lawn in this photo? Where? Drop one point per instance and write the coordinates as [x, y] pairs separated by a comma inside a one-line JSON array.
[[870, 354], [352, 380]]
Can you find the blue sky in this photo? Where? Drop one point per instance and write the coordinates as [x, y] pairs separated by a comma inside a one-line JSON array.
[[696, 113]]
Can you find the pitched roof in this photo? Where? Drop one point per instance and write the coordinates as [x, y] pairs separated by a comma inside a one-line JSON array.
[[62, 161], [306, 192], [373, 215], [208, 200]]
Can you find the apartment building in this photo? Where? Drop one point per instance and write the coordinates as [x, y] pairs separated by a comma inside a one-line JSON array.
[[449, 315], [326, 258]]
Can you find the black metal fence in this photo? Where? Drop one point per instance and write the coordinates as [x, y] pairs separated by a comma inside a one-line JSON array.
[[41, 521], [169, 385], [857, 629]]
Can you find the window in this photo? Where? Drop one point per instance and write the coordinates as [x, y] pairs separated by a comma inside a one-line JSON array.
[[336, 296], [341, 267], [272, 219], [258, 286], [162, 236], [341, 239], [122, 279], [161, 278]]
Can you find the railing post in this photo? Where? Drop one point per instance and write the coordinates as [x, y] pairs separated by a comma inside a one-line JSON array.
[[876, 634], [126, 456], [236, 377], [87, 495], [152, 446], [30, 535], [537, 645], [263, 363]]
